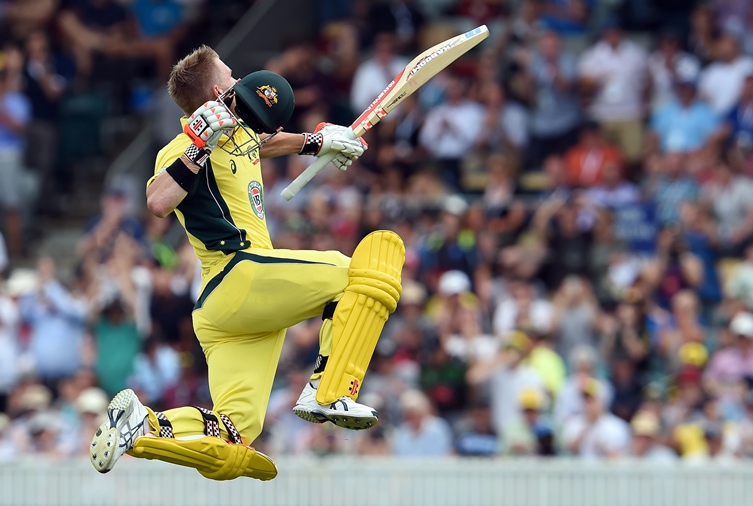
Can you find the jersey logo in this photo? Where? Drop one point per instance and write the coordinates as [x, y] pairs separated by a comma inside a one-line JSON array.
[[256, 197], [233, 167]]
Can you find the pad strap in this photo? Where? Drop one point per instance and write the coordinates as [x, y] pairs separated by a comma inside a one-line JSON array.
[[165, 427], [211, 424], [235, 436]]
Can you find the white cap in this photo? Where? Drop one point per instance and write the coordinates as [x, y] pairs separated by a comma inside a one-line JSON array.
[[742, 325], [453, 283], [455, 204], [92, 400]]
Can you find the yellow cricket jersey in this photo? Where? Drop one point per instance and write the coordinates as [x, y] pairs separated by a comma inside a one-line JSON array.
[[224, 212]]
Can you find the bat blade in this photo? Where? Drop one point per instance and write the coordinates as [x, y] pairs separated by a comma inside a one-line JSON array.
[[422, 68]]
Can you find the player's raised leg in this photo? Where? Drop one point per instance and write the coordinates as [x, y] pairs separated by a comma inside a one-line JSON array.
[[374, 287]]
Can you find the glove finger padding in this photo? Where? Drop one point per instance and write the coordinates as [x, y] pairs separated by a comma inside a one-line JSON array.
[[342, 162], [207, 124]]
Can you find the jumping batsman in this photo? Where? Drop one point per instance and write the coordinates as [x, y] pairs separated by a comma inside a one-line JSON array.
[[210, 176]]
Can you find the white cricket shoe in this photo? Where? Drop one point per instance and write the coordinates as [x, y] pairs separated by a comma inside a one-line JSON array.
[[126, 421], [344, 412]]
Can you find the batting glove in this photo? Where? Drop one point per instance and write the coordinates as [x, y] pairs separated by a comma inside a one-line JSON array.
[[328, 138], [205, 127]]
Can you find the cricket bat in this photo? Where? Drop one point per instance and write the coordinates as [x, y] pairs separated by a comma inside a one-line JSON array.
[[413, 76]]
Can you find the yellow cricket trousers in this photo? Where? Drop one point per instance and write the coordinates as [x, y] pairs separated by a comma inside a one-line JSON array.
[[240, 320]]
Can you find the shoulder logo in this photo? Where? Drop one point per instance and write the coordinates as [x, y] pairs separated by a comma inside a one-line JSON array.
[[256, 197], [268, 93]]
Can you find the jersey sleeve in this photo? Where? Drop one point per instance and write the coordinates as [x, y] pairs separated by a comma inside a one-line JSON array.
[[168, 155]]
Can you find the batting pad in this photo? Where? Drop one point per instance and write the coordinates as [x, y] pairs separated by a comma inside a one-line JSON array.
[[213, 457], [369, 299]]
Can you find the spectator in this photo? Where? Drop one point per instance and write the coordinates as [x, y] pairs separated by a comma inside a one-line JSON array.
[[699, 232], [666, 65], [532, 434], [477, 436], [118, 342], [646, 433], [10, 352], [614, 69], [403, 19], [568, 237], [451, 130], [733, 363], [588, 160], [9, 450], [15, 113], [569, 401], [575, 314], [738, 288], [721, 83], [686, 124], [155, 369], [448, 246], [373, 75], [704, 31], [614, 191], [523, 309], [103, 231], [421, 434], [672, 188], [569, 18], [597, 434], [505, 129], [626, 335], [551, 78], [727, 195], [48, 77], [738, 124], [628, 389], [506, 377], [57, 322]]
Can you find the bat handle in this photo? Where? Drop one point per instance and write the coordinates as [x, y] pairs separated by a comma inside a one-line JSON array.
[[307, 175]]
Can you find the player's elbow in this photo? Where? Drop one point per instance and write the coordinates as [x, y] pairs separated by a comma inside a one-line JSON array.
[[158, 206]]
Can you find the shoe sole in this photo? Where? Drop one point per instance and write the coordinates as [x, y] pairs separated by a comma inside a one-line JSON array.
[[105, 440], [346, 422]]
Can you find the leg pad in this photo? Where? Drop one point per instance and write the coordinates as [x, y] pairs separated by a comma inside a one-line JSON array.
[[370, 297], [213, 457]]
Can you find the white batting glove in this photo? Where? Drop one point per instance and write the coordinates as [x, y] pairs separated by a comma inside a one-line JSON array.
[[328, 138], [207, 124]]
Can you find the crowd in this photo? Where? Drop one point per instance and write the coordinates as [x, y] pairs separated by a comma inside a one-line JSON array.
[[575, 201]]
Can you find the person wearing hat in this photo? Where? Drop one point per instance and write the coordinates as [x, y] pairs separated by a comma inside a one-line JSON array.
[[734, 362], [646, 429], [685, 123], [210, 177], [597, 433], [530, 434]]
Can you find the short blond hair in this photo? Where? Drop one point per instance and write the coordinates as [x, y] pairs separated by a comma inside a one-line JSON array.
[[192, 77]]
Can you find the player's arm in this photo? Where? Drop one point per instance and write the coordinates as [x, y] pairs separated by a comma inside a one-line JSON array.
[[164, 194], [327, 138], [173, 183]]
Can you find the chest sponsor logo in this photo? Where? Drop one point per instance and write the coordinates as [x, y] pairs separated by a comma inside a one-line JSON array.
[[256, 197]]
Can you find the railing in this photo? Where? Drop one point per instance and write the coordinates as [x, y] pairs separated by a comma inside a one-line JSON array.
[[361, 481]]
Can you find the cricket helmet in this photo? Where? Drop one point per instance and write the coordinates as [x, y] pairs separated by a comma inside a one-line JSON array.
[[264, 102]]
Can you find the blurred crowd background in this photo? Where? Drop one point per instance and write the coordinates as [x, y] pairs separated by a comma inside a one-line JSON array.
[[575, 197]]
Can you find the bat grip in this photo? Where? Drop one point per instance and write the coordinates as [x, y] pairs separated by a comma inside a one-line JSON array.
[[307, 175]]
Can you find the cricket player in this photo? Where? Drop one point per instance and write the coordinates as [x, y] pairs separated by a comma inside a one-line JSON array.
[[210, 176]]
